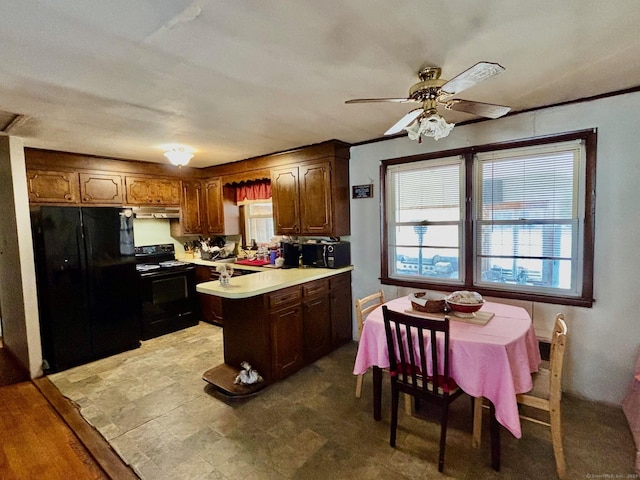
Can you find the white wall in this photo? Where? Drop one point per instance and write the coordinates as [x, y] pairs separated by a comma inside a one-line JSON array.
[[21, 327], [153, 231], [603, 340]]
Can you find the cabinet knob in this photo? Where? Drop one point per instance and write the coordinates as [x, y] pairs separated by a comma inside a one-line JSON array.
[[67, 196]]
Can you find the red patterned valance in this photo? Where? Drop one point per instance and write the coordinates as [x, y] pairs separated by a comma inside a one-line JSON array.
[[258, 190]]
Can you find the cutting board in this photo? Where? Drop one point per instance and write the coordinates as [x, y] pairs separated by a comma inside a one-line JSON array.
[[481, 318], [255, 262]]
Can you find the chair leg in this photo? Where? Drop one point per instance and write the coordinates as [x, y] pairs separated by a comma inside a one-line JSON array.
[[476, 438], [359, 386], [377, 393], [494, 428], [443, 435], [408, 404], [395, 394], [556, 439]]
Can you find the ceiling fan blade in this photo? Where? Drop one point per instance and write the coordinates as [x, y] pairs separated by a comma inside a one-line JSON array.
[[404, 121], [373, 100], [477, 108], [472, 76]]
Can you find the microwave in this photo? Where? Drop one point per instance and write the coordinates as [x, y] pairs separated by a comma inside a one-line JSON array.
[[326, 254]]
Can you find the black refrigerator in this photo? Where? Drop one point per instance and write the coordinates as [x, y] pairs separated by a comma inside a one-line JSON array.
[[88, 286]]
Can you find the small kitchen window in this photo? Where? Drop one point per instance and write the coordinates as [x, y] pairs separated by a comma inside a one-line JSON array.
[[258, 220], [256, 210]]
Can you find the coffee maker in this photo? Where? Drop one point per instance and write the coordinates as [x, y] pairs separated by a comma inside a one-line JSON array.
[[291, 255]]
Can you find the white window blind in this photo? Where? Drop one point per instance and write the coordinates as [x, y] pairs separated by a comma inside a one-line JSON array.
[[425, 229], [527, 217]]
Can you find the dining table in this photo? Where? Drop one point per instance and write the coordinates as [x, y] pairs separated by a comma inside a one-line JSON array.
[[491, 359]]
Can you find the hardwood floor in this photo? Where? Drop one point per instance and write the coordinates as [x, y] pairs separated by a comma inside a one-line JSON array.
[[42, 435], [10, 370], [36, 443]]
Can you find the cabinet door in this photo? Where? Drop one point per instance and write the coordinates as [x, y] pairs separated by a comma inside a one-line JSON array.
[[286, 341], [210, 305], [191, 217], [166, 191], [315, 199], [214, 213], [285, 194], [156, 191], [53, 187], [210, 308], [316, 315], [341, 323], [101, 189]]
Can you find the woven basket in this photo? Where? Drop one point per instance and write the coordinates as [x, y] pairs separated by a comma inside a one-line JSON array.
[[433, 305]]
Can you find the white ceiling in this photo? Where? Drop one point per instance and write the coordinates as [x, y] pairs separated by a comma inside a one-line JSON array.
[[237, 79]]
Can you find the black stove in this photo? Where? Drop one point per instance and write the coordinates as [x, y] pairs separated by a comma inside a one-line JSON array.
[[167, 289], [158, 258]]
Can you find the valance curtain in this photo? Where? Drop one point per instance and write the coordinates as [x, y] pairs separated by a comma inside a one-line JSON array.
[[254, 190]]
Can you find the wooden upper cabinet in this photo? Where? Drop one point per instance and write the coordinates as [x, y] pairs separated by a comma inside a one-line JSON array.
[[53, 186], [191, 203], [285, 194], [214, 207], [311, 199], [154, 191], [101, 189], [315, 199]]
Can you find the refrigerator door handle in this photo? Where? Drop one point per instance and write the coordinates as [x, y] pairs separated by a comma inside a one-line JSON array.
[[81, 238]]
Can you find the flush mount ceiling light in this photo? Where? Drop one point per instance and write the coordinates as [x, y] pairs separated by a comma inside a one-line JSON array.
[[179, 155]]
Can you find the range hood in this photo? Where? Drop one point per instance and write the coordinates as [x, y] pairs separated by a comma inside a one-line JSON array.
[[156, 212]]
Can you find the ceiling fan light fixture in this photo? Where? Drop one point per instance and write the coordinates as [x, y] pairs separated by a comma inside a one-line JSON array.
[[179, 156], [413, 130], [433, 126]]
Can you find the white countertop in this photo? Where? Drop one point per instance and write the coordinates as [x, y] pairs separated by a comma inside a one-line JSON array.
[[267, 280], [214, 263]]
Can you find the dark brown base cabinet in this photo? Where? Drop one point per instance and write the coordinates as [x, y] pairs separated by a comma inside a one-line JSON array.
[[280, 332], [316, 316], [210, 305]]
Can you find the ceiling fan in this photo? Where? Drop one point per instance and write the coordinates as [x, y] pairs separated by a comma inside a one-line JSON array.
[[433, 92]]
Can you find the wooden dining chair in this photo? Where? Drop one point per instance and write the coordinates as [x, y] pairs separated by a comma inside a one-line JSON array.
[[364, 306], [408, 367], [547, 392]]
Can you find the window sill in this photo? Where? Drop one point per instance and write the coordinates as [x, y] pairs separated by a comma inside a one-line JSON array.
[[496, 293]]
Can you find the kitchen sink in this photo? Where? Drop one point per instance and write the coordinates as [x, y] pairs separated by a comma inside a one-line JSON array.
[[225, 260]]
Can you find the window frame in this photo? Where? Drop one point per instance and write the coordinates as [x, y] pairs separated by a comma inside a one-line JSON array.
[[468, 262], [246, 218]]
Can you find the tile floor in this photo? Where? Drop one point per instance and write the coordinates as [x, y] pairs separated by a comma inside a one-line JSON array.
[[161, 417]]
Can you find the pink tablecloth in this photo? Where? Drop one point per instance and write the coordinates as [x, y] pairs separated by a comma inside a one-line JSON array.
[[494, 361]]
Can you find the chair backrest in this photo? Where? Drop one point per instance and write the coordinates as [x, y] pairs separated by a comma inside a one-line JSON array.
[[404, 334], [556, 360], [366, 305]]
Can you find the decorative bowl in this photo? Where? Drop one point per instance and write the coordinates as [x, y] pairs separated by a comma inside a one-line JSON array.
[[464, 304], [464, 310]]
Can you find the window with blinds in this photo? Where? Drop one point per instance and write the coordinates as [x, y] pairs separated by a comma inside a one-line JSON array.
[[425, 230], [512, 219], [527, 217]]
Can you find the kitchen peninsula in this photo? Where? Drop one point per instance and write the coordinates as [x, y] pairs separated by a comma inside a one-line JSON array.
[[279, 320]]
